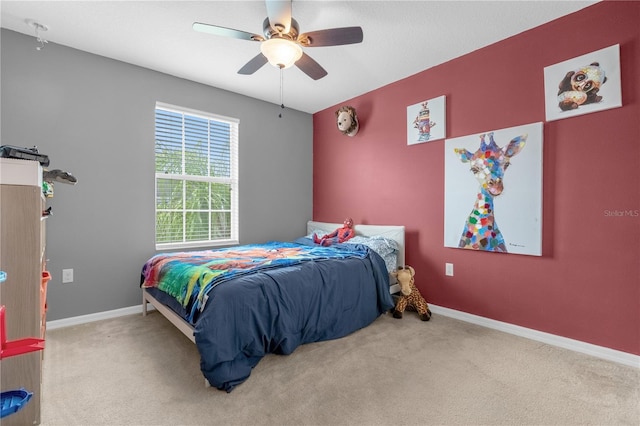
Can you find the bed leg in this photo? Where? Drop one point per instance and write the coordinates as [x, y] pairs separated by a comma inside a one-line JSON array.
[[144, 305]]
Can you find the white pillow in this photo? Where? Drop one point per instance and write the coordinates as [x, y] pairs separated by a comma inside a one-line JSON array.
[[318, 232]]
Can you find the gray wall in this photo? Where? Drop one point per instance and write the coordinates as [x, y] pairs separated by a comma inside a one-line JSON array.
[[94, 117]]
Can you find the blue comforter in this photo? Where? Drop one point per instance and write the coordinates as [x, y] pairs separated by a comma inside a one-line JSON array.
[[276, 309]]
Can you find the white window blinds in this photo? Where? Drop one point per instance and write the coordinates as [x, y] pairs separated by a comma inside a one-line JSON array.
[[196, 175]]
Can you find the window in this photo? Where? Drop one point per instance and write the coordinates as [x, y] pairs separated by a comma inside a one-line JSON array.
[[196, 179]]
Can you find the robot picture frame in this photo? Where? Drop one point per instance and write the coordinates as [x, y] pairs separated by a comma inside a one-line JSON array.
[[426, 121]]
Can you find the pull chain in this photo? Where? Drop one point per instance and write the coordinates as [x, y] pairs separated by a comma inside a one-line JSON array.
[[281, 93]]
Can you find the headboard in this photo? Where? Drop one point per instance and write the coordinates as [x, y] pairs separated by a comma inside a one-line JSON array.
[[393, 232]]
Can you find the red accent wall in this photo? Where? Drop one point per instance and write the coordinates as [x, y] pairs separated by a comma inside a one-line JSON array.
[[586, 286]]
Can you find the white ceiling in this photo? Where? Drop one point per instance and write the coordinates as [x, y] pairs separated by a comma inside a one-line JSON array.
[[401, 38]]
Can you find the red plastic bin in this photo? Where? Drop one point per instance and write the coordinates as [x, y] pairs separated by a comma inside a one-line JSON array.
[[46, 277], [16, 347]]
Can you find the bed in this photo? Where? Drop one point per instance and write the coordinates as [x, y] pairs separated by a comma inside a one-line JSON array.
[[240, 303]]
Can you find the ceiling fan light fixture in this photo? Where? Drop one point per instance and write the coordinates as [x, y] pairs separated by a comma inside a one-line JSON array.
[[280, 52]]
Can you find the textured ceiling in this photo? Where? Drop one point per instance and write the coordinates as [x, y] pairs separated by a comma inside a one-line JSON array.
[[401, 38]]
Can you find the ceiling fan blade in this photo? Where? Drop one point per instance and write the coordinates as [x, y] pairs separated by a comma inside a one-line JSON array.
[[331, 37], [253, 65], [279, 14], [226, 32], [310, 67]]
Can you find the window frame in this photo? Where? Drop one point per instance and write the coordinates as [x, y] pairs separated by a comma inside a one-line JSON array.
[[232, 180]]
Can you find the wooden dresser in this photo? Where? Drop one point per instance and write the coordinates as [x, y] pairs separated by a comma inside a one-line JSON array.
[[22, 243]]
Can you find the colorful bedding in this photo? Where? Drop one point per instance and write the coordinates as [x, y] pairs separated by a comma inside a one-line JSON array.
[[189, 276], [252, 300]]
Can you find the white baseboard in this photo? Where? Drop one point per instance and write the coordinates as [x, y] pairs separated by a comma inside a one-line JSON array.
[[539, 336], [83, 319]]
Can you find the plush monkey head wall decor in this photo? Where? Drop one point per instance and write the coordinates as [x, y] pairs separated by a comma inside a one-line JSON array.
[[347, 121]]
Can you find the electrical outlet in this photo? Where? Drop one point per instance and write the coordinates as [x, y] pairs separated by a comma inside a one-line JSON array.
[[448, 269], [67, 275]]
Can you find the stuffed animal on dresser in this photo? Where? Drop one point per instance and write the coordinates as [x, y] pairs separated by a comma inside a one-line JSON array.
[[410, 296]]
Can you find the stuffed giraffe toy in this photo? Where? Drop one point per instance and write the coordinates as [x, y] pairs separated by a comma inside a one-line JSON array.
[[410, 295]]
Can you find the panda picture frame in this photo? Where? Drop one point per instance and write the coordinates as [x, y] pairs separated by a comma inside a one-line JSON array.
[[584, 84]]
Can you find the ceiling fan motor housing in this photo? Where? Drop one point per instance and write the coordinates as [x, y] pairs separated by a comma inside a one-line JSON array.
[[277, 32]]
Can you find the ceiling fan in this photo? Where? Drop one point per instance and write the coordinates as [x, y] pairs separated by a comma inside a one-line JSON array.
[[282, 42]]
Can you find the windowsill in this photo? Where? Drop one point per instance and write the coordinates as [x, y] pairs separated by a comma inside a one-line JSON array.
[[196, 244]]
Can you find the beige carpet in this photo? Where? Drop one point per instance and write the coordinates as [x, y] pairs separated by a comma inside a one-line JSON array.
[[138, 370]]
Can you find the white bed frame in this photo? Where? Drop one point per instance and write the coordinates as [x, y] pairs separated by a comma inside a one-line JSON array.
[[175, 319], [392, 232]]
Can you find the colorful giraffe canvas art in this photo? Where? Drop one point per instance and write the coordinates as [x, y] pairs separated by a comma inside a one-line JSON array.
[[488, 162]]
